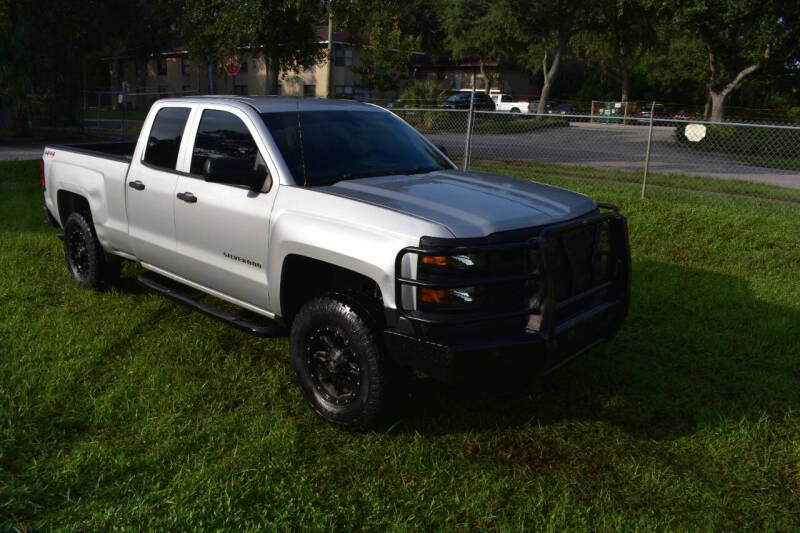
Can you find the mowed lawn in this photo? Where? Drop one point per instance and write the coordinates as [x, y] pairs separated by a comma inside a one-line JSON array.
[[125, 410]]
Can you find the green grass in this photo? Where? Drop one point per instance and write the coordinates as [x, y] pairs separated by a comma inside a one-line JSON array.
[[536, 170], [124, 410]]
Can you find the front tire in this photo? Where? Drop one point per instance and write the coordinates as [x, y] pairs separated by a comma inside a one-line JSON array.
[[86, 259], [339, 362]]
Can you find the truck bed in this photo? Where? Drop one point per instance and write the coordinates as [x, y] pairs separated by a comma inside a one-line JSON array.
[[120, 150]]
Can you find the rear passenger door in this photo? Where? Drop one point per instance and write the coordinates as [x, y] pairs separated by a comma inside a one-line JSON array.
[[222, 230], [150, 189]]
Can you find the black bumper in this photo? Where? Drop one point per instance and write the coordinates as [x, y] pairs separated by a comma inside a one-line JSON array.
[[564, 318], [528, 353]]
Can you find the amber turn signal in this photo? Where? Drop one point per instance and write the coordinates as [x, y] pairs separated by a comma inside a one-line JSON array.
[[433, 296], [438, 260]]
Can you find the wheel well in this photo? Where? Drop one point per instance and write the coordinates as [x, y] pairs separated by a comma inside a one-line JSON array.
[[303, 278], [70, 202]]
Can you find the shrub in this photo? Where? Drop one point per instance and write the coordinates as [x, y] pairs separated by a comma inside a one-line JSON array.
[[421, 94], [762, 146]]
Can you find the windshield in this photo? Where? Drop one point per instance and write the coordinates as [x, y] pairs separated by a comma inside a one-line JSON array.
[[323, 147]]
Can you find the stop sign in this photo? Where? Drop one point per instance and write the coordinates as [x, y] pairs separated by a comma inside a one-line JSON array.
[[232, 63]]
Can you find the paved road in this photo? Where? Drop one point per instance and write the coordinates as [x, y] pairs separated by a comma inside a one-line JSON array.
[[615, 147]]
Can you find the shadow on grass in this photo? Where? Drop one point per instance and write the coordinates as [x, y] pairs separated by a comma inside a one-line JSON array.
[[696, 349]]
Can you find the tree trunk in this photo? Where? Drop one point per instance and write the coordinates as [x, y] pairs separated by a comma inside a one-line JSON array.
[[717, 105], [212, 78], [274, 73], [549, 75], [487, 83], [626, 84], [141, 83]]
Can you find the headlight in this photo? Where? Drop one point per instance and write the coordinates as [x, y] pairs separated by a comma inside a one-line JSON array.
[[461, 262]]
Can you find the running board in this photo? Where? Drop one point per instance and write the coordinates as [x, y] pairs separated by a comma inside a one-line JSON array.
[[152, 282]]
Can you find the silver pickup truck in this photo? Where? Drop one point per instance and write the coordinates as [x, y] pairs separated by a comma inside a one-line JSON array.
[[339, 225]]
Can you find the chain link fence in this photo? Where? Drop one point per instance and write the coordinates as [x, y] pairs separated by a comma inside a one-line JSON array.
[[650, 150], [120, 113]]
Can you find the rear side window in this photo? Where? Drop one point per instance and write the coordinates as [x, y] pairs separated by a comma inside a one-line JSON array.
[[223, 134], [165, 137]]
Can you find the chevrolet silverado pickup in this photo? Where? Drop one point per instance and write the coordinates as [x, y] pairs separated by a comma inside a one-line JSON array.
[[339, 225]]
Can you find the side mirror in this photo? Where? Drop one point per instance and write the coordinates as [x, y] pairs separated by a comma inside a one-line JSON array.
[[442, 149], [235, 171]]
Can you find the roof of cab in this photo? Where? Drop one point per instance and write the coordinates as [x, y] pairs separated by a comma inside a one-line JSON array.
[[276, 104]]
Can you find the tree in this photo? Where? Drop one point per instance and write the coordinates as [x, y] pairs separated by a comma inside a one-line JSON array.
[[385, 57], [46, 48], [284, 30], [740, 38], [207, 38], [386, 32], [142, 29], [544, 30], [473, 30], [624, 32]]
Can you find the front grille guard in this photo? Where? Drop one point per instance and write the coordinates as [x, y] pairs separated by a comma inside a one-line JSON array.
[[544, 305]]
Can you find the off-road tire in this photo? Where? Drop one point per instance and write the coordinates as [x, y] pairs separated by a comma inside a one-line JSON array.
[[353, 327], [86, 260]]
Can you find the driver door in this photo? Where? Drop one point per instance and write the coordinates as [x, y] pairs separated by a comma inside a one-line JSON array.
[[222, 230]]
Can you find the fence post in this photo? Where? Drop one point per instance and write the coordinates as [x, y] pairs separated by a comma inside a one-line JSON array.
[[468, 145], [647, 154]]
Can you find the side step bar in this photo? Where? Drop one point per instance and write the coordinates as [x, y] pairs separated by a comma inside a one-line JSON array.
[[151, 281]]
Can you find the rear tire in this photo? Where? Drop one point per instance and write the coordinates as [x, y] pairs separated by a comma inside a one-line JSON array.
[[339, 361], [86, 259]]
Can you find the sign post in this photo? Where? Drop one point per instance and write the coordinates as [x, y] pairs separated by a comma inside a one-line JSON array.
[[232, 65]]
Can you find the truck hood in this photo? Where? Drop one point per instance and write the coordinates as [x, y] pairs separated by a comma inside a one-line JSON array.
[[468, 204]]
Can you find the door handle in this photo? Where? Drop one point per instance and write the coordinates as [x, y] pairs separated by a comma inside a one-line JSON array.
[[187, 197], [138, 185]]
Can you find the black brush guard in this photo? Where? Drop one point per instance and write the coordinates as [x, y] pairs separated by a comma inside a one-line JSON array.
[[566, 315]]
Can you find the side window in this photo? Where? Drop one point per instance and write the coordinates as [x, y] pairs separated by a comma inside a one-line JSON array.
[[224, 135], [165, 137]]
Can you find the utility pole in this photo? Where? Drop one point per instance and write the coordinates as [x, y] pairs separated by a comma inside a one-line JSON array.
[[330, 51]]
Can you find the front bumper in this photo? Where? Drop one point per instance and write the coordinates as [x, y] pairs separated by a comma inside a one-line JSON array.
[[561, 323]]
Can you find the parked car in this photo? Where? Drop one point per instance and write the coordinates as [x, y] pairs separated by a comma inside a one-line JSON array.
[[659, 111], [505, 102], [549, 104], [346, 230], [685, 114], [564, 109], [460, 100]]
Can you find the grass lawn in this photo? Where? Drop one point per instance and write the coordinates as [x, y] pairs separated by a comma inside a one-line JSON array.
[[126, 410]]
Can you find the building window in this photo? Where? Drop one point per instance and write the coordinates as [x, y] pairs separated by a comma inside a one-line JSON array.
[[241, 90], [343, 57], [161, 66], [309, 91], [343, 91], [186, 66]]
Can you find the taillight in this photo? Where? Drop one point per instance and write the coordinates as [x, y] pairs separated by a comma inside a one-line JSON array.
[[41, 168]]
